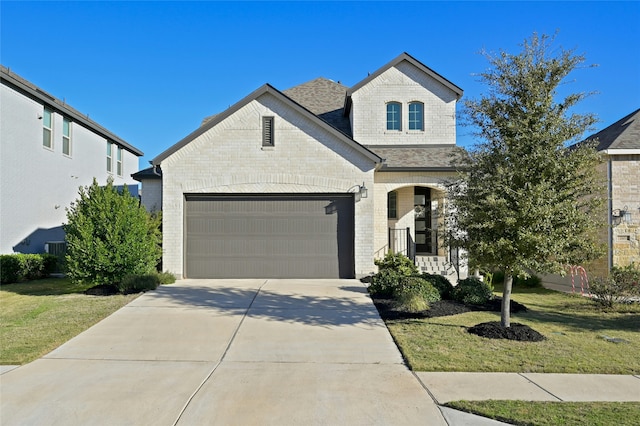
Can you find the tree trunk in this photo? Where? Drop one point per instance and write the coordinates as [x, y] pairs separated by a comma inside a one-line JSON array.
[[505, 316]]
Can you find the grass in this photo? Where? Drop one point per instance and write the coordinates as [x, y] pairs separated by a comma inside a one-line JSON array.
[[554, 413], [38, 316], [577, 333]]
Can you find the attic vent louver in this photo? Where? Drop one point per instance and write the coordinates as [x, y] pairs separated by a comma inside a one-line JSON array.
[[267, 131]]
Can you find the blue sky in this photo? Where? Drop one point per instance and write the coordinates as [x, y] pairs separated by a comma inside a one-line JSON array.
[[150, 71]]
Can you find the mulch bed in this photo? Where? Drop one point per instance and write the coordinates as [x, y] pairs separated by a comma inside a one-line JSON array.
[[492, 330]]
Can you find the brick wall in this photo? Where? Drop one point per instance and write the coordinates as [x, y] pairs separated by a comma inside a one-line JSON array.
[[625, 192], [403, 83], [229, 158]]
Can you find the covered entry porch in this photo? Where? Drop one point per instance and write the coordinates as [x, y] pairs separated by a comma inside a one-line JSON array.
[[408, 222]]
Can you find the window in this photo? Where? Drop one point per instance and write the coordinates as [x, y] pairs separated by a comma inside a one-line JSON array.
[[394, 116], [119, 161], [66, 136], [267, 131], [109, 157], [392, 205], [416, 116], [47, 128]]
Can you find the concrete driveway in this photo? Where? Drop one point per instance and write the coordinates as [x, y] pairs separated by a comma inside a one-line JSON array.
[[226, 352]]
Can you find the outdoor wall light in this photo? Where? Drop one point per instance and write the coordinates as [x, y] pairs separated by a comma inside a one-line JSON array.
[[622, 215], [360, 191], [363, 191]]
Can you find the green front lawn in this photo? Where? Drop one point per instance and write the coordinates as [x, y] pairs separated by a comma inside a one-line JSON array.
[[38, 316], [578, 338], [528, 413]]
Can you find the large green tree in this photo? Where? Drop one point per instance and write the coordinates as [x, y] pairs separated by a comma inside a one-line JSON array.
[[525, 201], [109, 235]]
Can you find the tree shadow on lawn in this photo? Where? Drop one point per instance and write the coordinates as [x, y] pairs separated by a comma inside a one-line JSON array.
[[577, 322], [328, 311], [45, 287]]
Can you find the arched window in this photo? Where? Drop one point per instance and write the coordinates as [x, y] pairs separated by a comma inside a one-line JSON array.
[[394, 116], [416, 116]]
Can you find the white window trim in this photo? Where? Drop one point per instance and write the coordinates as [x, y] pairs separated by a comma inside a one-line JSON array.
[[119, 161], [68, 137], [51, 145], [110, 157]]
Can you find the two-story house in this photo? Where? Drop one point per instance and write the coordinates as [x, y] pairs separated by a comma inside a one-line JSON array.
[[47, 151], [314, 181]]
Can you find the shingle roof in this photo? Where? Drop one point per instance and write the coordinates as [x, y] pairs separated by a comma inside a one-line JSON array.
[[324, 98], [623, 134], [31, 90], [148, 173], [416, 157]]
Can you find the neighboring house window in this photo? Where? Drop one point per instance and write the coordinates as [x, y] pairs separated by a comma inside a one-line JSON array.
[[416, 116], [47, 128], [66, 136], [267, 131], [109, 157], [119, 162], [394, 116], [392, 205]]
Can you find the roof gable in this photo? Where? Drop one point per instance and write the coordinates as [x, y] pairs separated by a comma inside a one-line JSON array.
[[265, 89], [413, 61]]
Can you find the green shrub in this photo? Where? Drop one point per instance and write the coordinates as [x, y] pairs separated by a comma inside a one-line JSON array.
[[441, 283], [19, 267], [136, 283], [622, 286], [166, 278], [109, 236], [417, 285], [472, 291], [49, 263], [398, 263], [383, 283], [415, 293], [32, 266], [10, 269]]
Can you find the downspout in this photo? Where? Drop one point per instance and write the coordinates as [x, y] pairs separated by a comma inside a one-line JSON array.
[[609, 212]]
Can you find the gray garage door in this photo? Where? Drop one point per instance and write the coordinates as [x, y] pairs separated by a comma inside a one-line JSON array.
[[277, 236]]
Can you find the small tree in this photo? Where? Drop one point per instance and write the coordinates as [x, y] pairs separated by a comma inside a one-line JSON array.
[[524, 201], [109, 235]]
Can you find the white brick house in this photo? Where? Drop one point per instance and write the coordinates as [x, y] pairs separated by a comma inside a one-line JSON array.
[[315, 181], [48, 150]]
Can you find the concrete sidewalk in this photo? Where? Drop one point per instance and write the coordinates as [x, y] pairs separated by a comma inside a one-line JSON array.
[[260, 352]]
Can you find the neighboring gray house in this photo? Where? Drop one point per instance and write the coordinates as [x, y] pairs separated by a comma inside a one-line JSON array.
[[47, 151], [314, 181]]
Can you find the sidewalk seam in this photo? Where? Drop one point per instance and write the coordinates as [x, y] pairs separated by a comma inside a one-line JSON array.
[[540, 387], [224, 354]]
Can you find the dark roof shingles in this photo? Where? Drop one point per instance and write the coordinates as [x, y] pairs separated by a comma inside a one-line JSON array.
[[623, 134], [424, 157]]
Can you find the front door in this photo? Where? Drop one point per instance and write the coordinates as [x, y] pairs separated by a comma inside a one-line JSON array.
[[422, 213]]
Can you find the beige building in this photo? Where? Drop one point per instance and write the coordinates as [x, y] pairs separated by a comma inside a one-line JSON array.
[[314, 181], [620, 145]]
